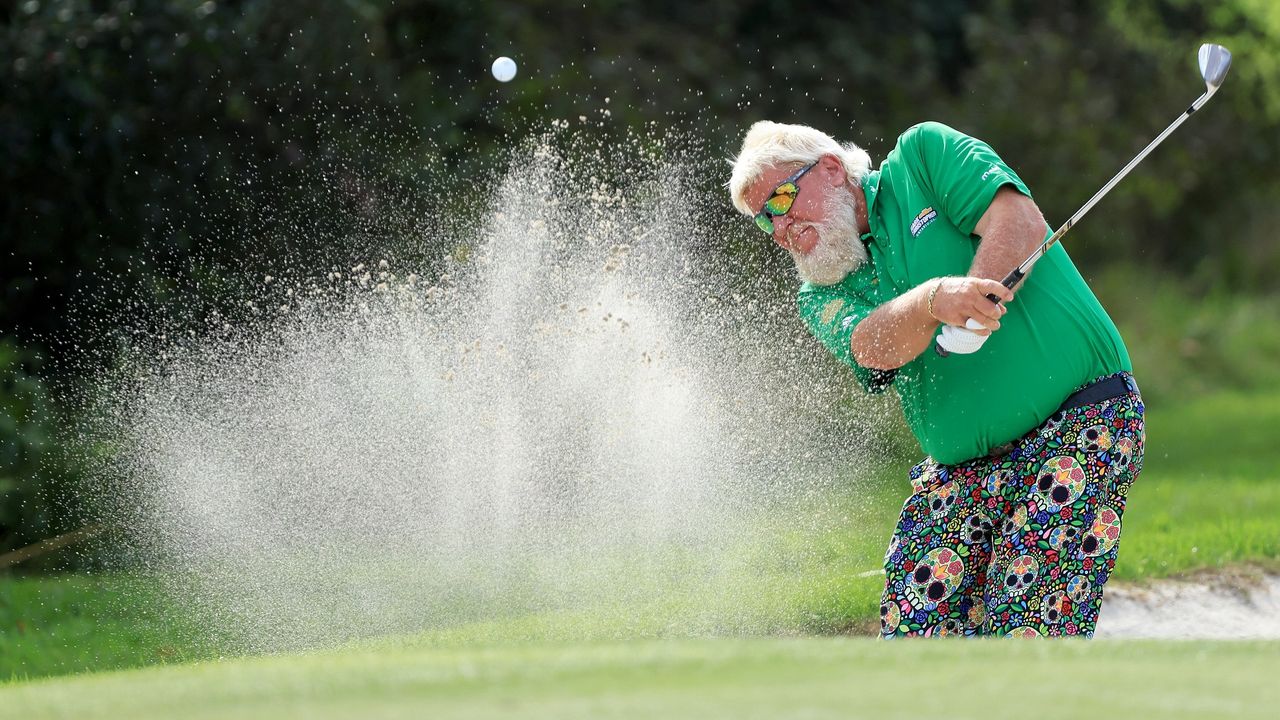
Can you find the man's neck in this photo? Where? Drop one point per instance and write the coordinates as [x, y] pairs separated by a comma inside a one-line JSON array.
[[864, 225]]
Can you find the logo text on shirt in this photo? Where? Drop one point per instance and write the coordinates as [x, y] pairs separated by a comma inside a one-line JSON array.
[[922, 221]]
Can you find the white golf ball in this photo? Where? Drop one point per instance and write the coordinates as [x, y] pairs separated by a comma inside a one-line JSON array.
[[504, 68]]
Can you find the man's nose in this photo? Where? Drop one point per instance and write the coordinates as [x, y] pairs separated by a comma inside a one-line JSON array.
[[781, 226]]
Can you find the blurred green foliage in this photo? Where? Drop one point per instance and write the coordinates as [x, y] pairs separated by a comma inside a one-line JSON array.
[[1185, 346], [34, 477], [135, 134], [136, 129]]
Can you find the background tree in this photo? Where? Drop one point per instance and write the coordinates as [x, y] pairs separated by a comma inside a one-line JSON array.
[[137, 137]]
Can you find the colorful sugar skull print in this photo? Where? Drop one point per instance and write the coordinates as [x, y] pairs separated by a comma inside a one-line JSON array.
[[1019, 545]]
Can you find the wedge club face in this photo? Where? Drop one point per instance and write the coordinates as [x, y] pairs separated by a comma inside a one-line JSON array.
[[1215, 61]]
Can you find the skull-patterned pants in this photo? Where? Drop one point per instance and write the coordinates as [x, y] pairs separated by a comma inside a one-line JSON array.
[[1020, 544]]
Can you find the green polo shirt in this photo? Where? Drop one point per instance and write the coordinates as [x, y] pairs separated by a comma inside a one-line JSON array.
[[923, 204]]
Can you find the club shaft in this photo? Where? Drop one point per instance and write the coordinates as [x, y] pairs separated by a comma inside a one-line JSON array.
[[1016, 275], [1013, 278]]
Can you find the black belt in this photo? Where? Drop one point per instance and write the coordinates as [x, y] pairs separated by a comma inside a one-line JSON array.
[[1104, 389]]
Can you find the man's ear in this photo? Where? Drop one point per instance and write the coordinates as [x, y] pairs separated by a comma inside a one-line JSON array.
[[832, 170]]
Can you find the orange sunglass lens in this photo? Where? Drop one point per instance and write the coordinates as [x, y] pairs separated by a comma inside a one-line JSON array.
[[781, 200]]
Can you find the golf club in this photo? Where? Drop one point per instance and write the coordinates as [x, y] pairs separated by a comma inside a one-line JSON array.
[[1215, 61]]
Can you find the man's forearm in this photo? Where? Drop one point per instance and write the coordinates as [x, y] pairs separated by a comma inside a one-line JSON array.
[[896, 332]]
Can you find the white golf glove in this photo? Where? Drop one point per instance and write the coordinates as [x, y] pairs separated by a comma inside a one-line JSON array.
[[958, 340]]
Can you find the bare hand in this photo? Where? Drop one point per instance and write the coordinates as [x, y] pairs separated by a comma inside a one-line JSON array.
[[961, 298]]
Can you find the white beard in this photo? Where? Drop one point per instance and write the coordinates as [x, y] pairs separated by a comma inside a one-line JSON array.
[[839, 250]]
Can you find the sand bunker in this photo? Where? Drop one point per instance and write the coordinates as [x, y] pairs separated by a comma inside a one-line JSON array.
[[1236, 605]]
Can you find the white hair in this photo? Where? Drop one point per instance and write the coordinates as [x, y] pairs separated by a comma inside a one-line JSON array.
[[770, 144]]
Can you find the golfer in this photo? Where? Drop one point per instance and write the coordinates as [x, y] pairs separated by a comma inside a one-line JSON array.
[[1033, 441]]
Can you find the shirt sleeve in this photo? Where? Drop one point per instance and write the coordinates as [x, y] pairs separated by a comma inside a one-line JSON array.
[[831, 317], [962, 172]]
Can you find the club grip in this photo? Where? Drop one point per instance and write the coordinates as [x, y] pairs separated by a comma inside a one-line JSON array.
[[1013, 278]]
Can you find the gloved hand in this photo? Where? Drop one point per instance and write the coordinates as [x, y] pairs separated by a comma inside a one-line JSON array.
[[956, 300], [960, 341]]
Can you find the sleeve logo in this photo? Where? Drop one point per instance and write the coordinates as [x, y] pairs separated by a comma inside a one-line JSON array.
[[922, 221]]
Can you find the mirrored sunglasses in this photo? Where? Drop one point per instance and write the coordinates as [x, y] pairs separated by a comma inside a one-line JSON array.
[[781, 200]]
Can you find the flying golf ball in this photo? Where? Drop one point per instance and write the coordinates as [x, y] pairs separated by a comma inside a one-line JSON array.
[[504, 68]]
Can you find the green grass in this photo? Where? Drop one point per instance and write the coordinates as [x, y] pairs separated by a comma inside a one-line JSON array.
[[1209, 492], [1191, 338], [703, 678], [80, 623], [1209, 496]]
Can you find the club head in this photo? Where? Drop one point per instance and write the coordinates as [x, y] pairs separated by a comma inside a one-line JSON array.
[[1215, 61]]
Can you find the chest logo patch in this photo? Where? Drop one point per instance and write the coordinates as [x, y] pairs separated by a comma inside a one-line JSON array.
[[922, 221]]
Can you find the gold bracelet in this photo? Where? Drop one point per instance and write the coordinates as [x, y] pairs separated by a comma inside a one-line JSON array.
[[929, 305]]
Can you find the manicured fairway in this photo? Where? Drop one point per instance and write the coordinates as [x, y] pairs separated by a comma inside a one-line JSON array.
[[759, 678]]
